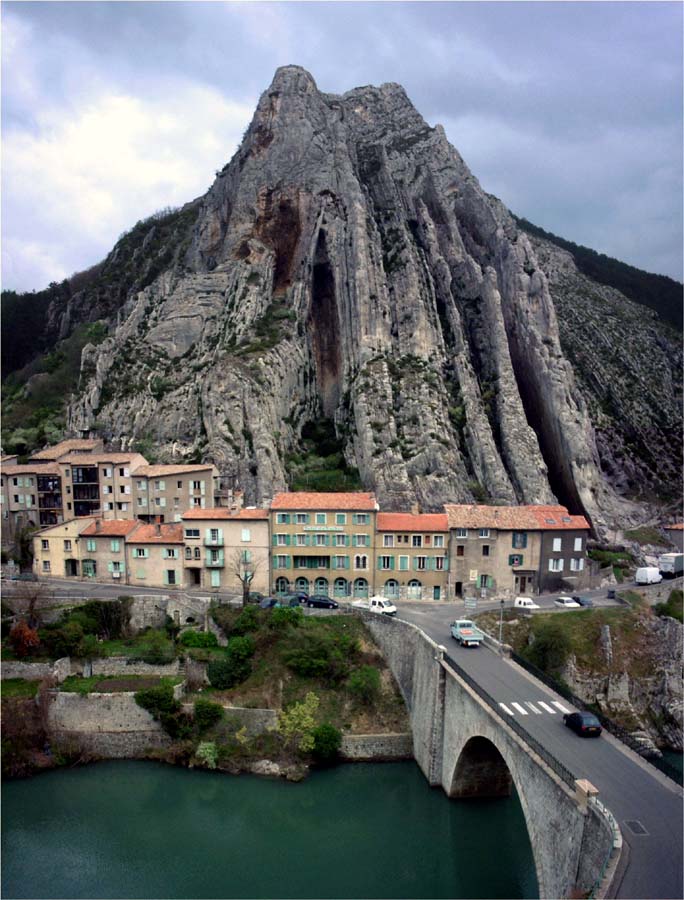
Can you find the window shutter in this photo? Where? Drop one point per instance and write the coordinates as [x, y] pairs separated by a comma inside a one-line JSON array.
[[274, 540], [166, 576], [287, 562], [391, 559], [146, 553], [110, 567], [287, 540], [380, 563], [353, 540], [220, 531]]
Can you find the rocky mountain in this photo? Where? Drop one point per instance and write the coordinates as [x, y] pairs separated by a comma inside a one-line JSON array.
[[346, 265]]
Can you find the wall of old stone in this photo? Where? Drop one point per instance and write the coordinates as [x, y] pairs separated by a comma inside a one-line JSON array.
[[29, 671], [377, 747]]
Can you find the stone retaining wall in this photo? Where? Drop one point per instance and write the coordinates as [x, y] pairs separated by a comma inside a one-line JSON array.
[[59, 670], [377, 747], [123, 665]]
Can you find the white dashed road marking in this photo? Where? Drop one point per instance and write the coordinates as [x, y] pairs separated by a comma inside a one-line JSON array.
[[533, 707], [546, 707], [521, 709], [505, 709], [560, 706]]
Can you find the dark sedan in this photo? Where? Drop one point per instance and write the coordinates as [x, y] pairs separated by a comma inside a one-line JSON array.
[[322, 602], [583, 723], [585, 602]]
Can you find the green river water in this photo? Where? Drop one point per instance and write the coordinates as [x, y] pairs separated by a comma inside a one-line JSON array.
[[133, 829]]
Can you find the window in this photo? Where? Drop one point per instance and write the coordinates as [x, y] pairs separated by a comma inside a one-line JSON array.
[[196, 486], [340, 518], [214, 535], [438, 540], [281, 562], [188, 552], [300, 540], [170, 576], [107, 472], [386, 562], [116, 566], [460, 550], [45, 545], [485, 549], [403, 563], [283, 518], [192, 532], [170, 553], [578, 545], [340, 562], [107, 489], [121, 472], [198, 553], [519, 540], [246, 535], [142, 501], [123, 506], [557, 545], [555, 565], [360, 562], [321, 540], [421, 562], [176, 502], [485, 581], [179, 484], [114, 546], [282, 540], [362, 540], [360, 518], [426, 540], [388, 540], [439, 563], [462, 532], [515, 559], [67, 546], [321, 519], [140, 553], [340, 540], [141, 485], [576, 565], [417, 540], [91, 546], [301, 518], [46, 565]]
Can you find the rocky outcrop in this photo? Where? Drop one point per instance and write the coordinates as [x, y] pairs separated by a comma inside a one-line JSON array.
[[346, 264]]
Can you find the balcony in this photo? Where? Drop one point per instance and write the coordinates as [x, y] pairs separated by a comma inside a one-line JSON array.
[[212, 563], [211, 542]]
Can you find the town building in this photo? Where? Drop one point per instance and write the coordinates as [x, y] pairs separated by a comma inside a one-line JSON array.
[[323, 543], [225, 549], [162, 493], [675, 535], [63, 448], [411, 552], [154, 555], [104, 550], [58, 552], [506, 551]]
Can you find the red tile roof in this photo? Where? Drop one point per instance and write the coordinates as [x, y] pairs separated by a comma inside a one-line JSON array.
[[412, 522], [68, 446], [96, 459], [28, 469], [354, 500], [159, 471], [225, 514], [157, 534], [521, 518], [110, 528]]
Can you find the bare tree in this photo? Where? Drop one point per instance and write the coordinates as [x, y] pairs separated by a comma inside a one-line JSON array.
[[27, 600], [245, 567]]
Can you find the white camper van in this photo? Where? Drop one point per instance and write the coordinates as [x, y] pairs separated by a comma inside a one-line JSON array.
[[525, 603], [648, 575]]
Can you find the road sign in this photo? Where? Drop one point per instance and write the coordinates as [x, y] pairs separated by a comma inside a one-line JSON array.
[[470, 602]]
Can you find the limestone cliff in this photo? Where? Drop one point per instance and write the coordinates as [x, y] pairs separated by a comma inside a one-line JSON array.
[[346, 264]]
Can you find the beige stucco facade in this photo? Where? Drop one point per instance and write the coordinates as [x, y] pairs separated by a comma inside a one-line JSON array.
[[411, 552]]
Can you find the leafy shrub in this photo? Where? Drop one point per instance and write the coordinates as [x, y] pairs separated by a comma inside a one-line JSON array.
[[284, 616], [327, 741], [241, 648], [62, 640], [226, 673], [550, 649], [208, 754], [207, 714], [364, 684], [172, 628], [88, 647], [248, 620], [321, 654], [297, 723], [163, 706], [156, 649], [674, 607], [23, 639], [198, 639]]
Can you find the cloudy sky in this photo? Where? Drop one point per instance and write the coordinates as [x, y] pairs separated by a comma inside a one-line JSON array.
[[571, 113]]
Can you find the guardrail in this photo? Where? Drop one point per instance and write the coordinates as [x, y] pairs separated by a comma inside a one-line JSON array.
[[612, 727], [616, 847], [541, 751]]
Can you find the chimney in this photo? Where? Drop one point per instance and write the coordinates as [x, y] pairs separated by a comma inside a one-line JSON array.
[[415, 509], [98, 524], [157, 528]]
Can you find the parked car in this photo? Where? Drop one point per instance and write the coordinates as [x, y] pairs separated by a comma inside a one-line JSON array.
[[566, 603], [648, 575], [24, 576], [321, 601], [525, 603], [583, 723], [255, 597], [269, 603], [583, 601]]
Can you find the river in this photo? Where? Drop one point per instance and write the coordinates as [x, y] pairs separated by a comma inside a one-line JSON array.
[[133, 829]]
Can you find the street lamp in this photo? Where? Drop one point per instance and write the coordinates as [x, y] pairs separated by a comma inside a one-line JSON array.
[[501, 623]]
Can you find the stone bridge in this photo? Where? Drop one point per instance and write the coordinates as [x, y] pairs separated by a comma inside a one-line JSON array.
[[462, 744]]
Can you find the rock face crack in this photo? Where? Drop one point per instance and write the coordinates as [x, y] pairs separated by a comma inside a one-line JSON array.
[[347, 264]]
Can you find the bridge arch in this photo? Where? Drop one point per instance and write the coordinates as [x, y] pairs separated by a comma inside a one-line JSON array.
[[480, 771]]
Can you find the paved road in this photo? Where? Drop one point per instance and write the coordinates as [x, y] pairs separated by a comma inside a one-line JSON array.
[[632, 789]]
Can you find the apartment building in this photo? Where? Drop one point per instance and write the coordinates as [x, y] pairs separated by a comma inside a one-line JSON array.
[[506, 551], [222, 549], [58, 551], [163, 493], [155, 555], [323, 543], [104, 549], [411, 552]]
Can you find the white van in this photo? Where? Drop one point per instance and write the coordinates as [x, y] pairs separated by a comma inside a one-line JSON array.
[[525, 603], [648, 575]]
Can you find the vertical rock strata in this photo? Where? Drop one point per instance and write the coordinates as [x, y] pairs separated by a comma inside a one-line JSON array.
[[346, 264]]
